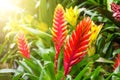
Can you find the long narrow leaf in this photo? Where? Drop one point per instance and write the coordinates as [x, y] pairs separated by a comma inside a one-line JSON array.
[[79, 76], [7, 70]]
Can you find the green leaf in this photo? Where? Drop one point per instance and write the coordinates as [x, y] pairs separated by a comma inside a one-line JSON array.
[[80, 75], [103, 60], [92, 2], [95, 74], [31, 63], [109, 77], [106, 47], [44, 75], [77, 66], [38, 63], [7, 71], [84, 62], [46, 57], [116, 75], [108, 28], [17, 76], [117, 33], [42, 10], [38, 32], [2, 46], [50, 68], [31, 76], [59, 75], [25, 66], [108, 4], [116, 52]]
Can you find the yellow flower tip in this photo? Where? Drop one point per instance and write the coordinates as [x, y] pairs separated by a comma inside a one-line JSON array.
[[76, 10], [59, 7], [100, 26], [91, 50], [71, 15], [95, 30]]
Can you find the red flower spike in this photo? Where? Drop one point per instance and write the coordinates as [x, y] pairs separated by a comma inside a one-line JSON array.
[[116, 11], [59, 31], [23, 46], [75, 48], [117, 62], [115, 7]]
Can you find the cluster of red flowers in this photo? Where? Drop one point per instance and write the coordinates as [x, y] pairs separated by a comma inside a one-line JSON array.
[[76, 46], [116, 11]]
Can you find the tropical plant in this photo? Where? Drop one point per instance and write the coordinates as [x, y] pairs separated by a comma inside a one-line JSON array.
[[62, 40]]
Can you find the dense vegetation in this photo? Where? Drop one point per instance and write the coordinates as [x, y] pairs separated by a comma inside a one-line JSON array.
[[60, 40]]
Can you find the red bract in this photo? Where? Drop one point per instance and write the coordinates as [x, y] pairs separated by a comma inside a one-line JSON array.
[[75, 48], [115, 7], [117, 62], [116, 11], [23, 46], [59, 31]]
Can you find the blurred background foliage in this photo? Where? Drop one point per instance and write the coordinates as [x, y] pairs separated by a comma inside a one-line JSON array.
[[35, 18]]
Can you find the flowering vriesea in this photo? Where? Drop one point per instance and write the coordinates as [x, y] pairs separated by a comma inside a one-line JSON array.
[[59, 31], [71, 15], [76, 47], [94, 34], [23, 45]]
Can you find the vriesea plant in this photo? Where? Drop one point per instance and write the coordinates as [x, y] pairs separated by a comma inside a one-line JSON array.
[[75, 48], [23, 45], [59, 31], [95, 31]]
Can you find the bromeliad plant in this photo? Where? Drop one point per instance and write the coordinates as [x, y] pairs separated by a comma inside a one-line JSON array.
[[95, 31], [72, 15], [23, 45], [71, 57], [59, 31], [76, 46], [73, 48], [79, 52]]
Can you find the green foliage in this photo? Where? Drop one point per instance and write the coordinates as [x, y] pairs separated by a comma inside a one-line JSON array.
[[36, 22]]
